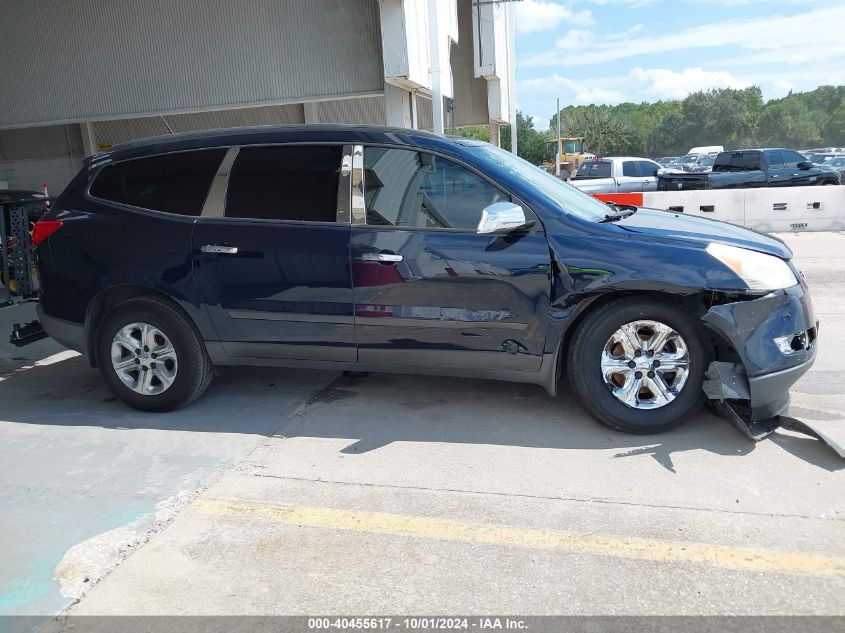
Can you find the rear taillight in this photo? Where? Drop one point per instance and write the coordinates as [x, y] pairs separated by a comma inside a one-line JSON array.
[[44, 229]]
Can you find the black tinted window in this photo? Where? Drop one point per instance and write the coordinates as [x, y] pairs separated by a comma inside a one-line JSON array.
[[745, 160], [594, 169], [176, 183], [291, 182], [791, 158], [405, 188], [737, 161], [646, 168], [629, 168]]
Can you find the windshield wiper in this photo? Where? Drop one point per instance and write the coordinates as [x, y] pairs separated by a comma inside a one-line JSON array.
[[622, 211]]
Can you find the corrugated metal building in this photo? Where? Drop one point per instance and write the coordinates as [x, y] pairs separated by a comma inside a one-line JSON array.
[[78, 76]]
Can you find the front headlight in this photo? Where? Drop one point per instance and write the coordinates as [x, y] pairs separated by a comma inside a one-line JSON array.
[[758, 270]]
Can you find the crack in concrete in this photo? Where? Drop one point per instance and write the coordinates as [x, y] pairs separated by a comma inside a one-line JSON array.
[[549, 497]]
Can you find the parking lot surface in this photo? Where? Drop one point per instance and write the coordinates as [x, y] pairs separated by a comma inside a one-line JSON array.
[[292, 492]]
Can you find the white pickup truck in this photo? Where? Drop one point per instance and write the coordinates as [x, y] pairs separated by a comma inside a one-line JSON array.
[[616, 174]]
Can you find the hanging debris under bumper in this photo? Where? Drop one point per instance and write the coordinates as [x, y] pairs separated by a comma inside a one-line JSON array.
[[771, 343]]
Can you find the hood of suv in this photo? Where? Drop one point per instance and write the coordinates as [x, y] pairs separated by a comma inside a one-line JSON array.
[[680, 227]]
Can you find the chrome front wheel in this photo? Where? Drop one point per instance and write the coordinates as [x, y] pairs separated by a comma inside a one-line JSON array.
[[645, 364], [144, 359]]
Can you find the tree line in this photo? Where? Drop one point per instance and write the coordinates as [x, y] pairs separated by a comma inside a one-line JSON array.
[[731, 117]]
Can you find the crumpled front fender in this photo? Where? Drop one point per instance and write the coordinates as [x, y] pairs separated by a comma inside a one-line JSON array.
[[760, 382], [752, 326], [754, 393]]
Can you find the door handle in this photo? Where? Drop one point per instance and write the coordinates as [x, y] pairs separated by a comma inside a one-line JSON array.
[[382, 257], [220, 249]]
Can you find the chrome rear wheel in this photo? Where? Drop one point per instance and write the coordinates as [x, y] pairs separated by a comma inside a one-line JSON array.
[[144, 359]]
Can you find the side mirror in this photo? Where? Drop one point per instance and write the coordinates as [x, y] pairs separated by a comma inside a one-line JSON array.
[[501, 216], [805, 164]]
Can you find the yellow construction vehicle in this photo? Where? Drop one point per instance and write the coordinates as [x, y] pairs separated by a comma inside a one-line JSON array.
[[571, 149]]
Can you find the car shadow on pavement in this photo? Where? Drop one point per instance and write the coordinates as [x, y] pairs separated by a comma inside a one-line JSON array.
[[379, 409], [374, 410], [248, 400]]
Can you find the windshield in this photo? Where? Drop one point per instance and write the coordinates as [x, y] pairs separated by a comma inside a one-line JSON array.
[[687, 158], [837, 161], [572, 147], [568, 198], [705, 160]]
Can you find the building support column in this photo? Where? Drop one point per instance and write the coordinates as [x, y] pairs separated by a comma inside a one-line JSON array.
[[312, 115], [398, 106], [89, 142], [436, 72], [495, 134]]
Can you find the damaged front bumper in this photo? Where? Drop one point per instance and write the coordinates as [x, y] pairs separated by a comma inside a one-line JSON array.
[[772, 343]]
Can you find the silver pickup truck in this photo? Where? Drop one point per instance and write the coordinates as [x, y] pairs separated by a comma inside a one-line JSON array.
[[616, 174]]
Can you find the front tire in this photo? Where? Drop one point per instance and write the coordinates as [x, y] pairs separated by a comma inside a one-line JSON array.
[[151, 355], [637, 365]]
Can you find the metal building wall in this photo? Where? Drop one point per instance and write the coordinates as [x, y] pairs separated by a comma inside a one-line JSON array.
[[88, 59], [425, 118], [470, 91], [46, 155], [122, 130], [365, 110]]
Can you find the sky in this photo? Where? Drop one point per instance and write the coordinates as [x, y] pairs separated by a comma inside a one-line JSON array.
[[611, 51]]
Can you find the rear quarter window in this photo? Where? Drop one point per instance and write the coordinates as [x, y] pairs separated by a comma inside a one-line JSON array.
[[174, 183]]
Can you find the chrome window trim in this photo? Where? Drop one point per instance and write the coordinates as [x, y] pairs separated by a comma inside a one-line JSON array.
[[359, 206], [101, 166], [215, 201], [344, 187]]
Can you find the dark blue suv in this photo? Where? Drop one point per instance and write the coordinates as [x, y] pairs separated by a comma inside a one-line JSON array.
[[377, 249]]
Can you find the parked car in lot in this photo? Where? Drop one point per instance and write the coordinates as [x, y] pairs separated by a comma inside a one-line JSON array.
[[838, 163], [752, 168], [616, 174], [395, 250], [695, 163], [819, 158], [667, 160]]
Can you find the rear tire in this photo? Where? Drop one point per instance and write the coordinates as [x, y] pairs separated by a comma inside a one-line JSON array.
[[657, 400], [168, 367]]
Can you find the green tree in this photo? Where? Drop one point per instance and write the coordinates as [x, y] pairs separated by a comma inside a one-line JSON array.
[[531, 144], [730, 117]]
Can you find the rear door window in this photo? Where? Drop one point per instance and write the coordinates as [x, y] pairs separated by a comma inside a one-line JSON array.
[[737, 161], [629, 168], [745, 161], [594, 169], [175, 183], [285, 182], [405, 188]]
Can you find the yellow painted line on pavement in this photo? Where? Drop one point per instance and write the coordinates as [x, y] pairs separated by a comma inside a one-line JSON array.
[[739, 558]]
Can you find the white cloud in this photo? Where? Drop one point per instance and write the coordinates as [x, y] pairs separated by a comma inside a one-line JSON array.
[[662, 83], [631, 4], [537, 15], [763, 38], [639, 84], [576, 39]]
